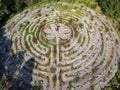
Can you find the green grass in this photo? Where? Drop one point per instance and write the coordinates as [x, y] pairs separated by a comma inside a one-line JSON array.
[[2, 87], [84, 39], [114, 81], [118, 32], [108, 88], [102, 47], [89, 3]]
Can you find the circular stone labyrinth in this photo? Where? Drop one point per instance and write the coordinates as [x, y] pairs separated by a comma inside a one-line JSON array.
[[74, 47]]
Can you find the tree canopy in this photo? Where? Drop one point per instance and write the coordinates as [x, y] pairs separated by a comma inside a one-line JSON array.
[[110, 8]]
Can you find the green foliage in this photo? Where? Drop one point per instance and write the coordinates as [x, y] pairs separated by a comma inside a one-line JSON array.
[[108, 88], [14, 5], [118, 27], [110, 8], [8, 7], [2, 87], [90, 3], [31, 2], [114, 82], [11, 7], [3, 10]]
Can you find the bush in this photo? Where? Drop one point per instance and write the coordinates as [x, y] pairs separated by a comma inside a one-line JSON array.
[[110, 8]]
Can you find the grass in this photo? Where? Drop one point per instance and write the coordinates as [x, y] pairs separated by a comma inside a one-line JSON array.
[[108, 88], [84, 38], [92, 47], [118, 32], [54, 79], [77, 79], [102, 47], [2, 87], [113, 82], [83, 57], [89, 3]]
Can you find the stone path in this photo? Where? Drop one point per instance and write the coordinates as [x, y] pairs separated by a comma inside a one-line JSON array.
[[74, 49]]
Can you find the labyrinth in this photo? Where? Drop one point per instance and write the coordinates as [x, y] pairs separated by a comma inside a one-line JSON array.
[[74, 47]]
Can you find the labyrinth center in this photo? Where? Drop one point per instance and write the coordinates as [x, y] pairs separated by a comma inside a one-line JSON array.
[[74, 47]]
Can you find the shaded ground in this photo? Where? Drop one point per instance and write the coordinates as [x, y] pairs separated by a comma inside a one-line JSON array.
[[12, 74]]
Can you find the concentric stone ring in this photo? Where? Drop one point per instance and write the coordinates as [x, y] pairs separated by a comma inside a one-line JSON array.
[[74, 48]]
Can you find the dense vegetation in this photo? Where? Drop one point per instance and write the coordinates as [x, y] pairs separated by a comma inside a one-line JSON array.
[[110, 8], [11, 7], [8, 7]]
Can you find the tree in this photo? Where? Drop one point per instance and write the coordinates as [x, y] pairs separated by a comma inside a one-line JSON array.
[[110, 8], [3, 10]]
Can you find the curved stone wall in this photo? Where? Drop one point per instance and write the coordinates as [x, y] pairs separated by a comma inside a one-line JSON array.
[[74, 47]]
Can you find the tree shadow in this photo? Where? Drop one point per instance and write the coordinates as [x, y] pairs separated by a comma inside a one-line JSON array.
[[13, 74]]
